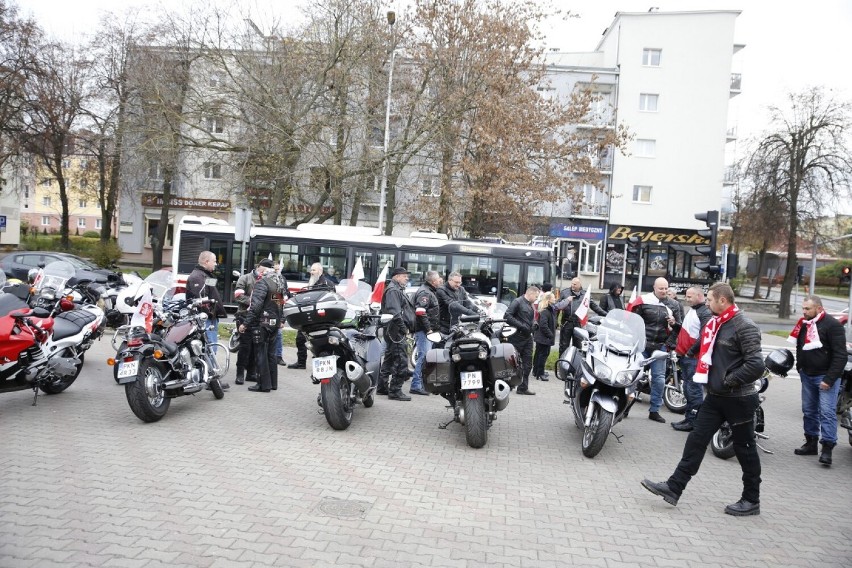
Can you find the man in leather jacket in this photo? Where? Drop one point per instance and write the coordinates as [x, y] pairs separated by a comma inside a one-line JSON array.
[[569, 300], [425, 298], [660, 316], [521, 315], [263, 321], [242, 295], [453, 294], [730, 345], [395, 361], [687, 347], [201, 283]]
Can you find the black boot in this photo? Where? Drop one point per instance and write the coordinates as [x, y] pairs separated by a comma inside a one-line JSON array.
[[241, 376], [398, 395], [809, 448], [825, 456]]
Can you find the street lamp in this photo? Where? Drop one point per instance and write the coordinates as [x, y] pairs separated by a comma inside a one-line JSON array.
[[385, 165]]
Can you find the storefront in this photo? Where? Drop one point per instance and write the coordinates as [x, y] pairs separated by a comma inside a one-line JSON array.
[[579, 250]]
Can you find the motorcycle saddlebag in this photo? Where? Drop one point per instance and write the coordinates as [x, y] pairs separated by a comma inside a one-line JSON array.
[[314, 308], [436, 372], [504, 364]]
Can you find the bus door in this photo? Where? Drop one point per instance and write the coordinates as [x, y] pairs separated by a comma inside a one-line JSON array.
[[225, 262], [373, 261], [517, 277]]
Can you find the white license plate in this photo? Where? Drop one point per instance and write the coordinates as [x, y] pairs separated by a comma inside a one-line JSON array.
[[128, 369], [471, 380], [325, 367]]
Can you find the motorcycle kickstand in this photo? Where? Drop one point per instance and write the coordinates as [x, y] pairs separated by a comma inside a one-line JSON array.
[[442, 426], [616, 436], [759, 436]]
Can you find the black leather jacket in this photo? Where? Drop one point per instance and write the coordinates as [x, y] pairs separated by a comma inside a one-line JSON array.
[[545, 332], [737, 362], [425, 298], [520, 315], [266, 304], [828, 360], [397, 303], [656, 323], [611, 302], [461, 306], [571, 301], [202, 284]]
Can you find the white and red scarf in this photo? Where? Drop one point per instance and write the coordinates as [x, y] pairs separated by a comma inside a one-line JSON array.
[[811, 335], [708, 338]]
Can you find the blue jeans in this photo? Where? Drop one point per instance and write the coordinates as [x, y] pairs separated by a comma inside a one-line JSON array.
[[279, 346], [423, 345], [212, 332], [658, 380], [693, 391], [819, 408]]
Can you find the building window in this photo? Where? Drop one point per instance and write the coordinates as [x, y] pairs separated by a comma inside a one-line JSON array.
[[66, 164], [45, 201], [98, 224], [45, 182], [212, 171], [214, 125], [648, 102], [84, 182], [641, 194], [590, 256], [26, 193], [81, 223], [155, 172], [651, 57], [45, 221], [429, 186], [645, 148], [81, 203], [151, 232]]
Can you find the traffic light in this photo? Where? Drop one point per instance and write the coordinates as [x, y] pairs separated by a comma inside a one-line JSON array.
[[634, 251], [711, 265], [845, 275]]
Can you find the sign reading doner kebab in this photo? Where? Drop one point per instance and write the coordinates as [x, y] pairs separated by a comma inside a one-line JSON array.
[[657, 235], [156, 200]]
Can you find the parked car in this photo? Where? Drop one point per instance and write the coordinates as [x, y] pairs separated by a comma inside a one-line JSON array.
[[18, 264]]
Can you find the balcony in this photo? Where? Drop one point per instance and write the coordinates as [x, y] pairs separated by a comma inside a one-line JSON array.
[[731, 134], [736, 84], [730, 176], [593, 210]]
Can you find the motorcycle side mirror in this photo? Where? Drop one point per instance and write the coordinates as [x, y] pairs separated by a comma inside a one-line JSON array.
[[434, 337], [130, 301], [385, 319], [508, 331], [581, 333], [658, 355]]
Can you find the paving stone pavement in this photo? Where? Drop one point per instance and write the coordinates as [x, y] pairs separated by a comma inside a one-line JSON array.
[[262, 480]]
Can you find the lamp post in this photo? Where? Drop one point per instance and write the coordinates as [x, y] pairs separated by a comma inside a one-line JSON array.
[[385, 165]]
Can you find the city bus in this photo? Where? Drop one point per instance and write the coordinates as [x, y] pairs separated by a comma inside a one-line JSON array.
[[494, 272]]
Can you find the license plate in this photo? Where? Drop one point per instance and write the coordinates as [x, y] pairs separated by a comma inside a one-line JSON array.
[[128, 369], [325, 367], [471, 380]]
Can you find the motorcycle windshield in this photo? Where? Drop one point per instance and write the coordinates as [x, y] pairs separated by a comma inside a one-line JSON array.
[[356, 292], [160, 282], [54, 276], [622, 332]]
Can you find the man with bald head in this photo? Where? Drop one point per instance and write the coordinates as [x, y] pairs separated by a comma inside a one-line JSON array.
[[569, 300], [660, 316]]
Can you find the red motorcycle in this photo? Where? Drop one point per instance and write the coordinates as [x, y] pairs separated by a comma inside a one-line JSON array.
[[25, 362]]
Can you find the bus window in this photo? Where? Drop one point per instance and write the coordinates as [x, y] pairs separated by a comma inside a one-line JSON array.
[[535, 275], [511, 282], [385, 257], [286, 254], [418, 263], [328, 257], [479, 273]]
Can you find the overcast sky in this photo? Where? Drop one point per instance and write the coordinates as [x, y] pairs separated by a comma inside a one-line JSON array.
[[790, 44]]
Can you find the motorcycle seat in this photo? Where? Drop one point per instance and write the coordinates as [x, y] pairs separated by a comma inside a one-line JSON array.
[[70, 323], [171, 348]]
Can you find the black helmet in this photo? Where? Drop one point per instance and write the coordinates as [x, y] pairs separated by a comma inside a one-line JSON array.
[[779, 361]]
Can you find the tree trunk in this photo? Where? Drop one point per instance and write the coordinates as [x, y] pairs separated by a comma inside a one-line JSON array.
[[159, 239], [761, 264]]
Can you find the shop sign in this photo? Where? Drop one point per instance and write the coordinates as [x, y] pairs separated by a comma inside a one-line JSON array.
[[570, 231], [156, 200], [657, 235]]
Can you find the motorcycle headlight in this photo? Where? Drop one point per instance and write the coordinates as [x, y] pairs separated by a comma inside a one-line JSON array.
[[600, 370], [625, 378]]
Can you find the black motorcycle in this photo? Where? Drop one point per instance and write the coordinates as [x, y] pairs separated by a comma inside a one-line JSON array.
[[844, 398], [778, 362], [343, 338], [474, 371], [178, 361]]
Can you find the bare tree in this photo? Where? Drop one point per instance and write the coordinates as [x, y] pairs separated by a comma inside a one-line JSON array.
[[807, 164]]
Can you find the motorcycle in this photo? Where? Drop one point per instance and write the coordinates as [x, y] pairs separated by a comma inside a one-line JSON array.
[[343, 338], [176, 360], [673, 396], [601, 376], [474, 370], [844, 398], [41, 349], [778, 362]]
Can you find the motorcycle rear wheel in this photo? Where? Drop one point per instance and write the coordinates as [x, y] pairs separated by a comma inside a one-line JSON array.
[[56, 386], [145, 395], [722, 444], [594, 437], [674, 399], [335, 401], [234, 342], [475, 418]]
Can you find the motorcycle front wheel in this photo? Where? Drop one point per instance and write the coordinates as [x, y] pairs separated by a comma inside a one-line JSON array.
[[594, 436], [722, 443], [335, 401], [475, 418], [674, 399], [216, 387], [145, 395], [59, 384]]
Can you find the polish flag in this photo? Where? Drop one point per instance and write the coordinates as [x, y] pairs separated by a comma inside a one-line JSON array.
[[379, 288], [635, 300], [582, 312], [144, 316], [357, 274]]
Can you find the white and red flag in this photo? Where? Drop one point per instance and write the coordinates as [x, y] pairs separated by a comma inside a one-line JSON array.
[[357, 274], [379, 288], [582, 312], [635, 300]]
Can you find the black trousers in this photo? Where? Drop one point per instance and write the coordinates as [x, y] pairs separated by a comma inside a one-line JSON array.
[[394, 362], [301, 348], [542, 350], [266, 360], [739, 413], [524, 347], [245, 355], [566, 335]]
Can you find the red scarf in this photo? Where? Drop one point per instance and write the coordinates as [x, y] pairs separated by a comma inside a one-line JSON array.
[[708, 338], [811, 335]]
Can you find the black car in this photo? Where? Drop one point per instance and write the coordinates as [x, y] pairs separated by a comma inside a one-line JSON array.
[[18, 264]]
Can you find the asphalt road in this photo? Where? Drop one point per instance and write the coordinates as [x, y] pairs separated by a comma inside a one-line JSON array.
[[262, 480]]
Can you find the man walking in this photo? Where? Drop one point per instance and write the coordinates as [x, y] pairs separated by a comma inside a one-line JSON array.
[[201, 283], [820, 359], [730, 363], [425, 298], [688, 344], [263, 321], [395, 362], [520, 315]]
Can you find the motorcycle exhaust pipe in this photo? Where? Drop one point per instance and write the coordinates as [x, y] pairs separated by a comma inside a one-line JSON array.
[[501, 394], [355, 374]]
